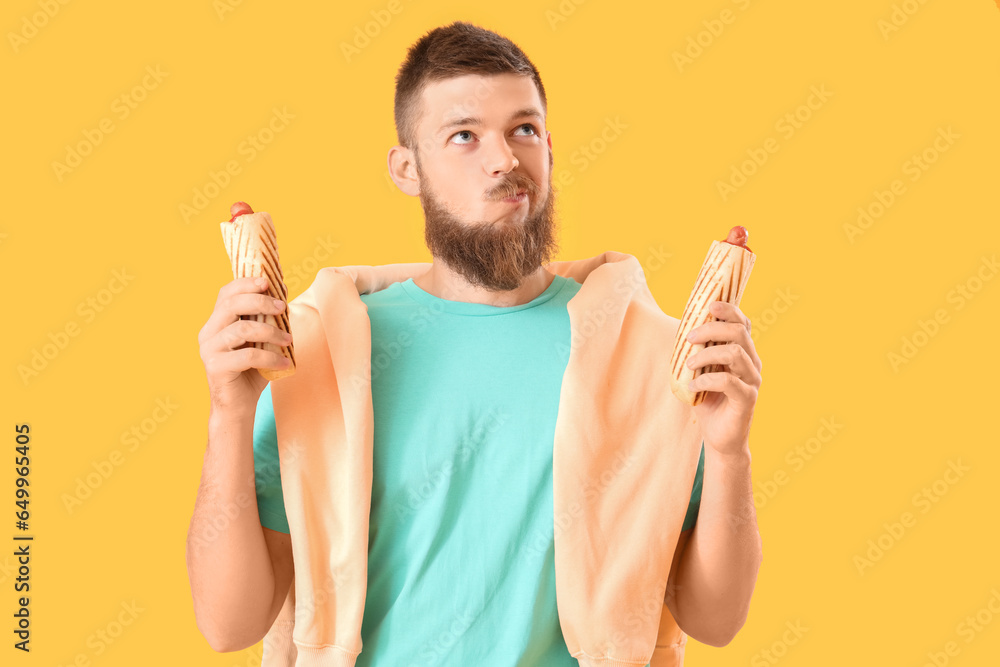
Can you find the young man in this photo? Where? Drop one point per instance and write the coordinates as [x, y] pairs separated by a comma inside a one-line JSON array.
[[433, 454]]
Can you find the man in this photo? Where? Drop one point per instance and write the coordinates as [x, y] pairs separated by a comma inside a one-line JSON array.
[[467, 365]]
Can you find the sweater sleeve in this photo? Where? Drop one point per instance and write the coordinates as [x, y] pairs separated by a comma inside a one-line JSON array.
[[267, 473], [695, 502]]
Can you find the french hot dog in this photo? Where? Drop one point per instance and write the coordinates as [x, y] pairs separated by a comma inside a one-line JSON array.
[[252, 246], [722, 277]]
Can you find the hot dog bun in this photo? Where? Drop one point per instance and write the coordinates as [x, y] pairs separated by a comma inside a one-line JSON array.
[[252, 246], [722, 277]]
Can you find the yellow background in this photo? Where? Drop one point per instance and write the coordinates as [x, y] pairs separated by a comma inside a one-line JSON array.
[[828, 309]]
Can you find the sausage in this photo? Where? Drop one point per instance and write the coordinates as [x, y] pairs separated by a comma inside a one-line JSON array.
[[243, 208], [738, 237]]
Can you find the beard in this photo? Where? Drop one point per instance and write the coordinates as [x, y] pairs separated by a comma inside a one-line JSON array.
[[496, 256]]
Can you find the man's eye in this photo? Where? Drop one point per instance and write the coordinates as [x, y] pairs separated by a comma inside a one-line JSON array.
[[534, 131]]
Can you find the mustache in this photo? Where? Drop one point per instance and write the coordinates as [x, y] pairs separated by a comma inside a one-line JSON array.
[[511, 185]]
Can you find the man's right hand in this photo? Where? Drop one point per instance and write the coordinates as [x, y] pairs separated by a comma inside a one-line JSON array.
[[227, 350]]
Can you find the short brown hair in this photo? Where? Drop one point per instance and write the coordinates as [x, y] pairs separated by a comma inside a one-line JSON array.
[[451, 51]]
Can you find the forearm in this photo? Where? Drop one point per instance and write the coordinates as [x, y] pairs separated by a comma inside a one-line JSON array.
[[232, 579], [718, 568]]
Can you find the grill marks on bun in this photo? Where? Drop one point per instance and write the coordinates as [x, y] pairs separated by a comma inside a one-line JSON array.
[[722, 277], [252, 245]]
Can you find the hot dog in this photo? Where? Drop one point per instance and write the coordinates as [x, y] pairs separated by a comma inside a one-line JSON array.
[[252, 246], [722, 277]]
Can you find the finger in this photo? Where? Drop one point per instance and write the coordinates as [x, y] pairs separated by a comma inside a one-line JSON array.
[[215, 323], [241, 303], [730, 355], [719, 332], [241, 285], [734, 388], [729, 312], [247, 332], [238, 361], [242, 334], [726, 332]]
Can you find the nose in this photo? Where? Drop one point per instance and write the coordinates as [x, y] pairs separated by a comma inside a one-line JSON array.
[[499, 158]]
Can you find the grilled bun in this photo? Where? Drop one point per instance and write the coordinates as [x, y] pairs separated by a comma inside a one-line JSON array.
[[722, 277], [252, 246]]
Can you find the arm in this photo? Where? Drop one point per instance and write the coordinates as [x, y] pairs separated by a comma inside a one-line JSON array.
[[713, 575], [239, 571], [715, 564]]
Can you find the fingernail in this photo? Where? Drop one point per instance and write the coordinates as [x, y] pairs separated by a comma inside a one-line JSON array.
[[262, 282], [691, 385], [279, 304]]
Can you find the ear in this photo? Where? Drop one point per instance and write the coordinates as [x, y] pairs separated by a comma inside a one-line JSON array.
[[403, 170], [548, 137]]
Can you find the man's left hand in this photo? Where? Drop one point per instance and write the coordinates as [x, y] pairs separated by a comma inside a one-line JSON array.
[[727, 411]]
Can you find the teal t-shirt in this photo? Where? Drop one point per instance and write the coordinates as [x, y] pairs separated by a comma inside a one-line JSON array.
[[461, 567]]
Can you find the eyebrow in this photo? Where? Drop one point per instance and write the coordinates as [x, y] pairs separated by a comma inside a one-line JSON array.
[[527, 112]]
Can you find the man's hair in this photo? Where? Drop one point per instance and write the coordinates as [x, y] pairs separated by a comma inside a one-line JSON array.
[[451, 51]]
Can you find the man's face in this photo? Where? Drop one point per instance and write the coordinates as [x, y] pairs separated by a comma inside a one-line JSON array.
[[477, 147]]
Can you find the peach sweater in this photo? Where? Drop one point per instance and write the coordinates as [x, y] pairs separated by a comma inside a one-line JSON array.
[[624, 459]]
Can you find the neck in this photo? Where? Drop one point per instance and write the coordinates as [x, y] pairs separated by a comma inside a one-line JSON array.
[[442, 282]]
